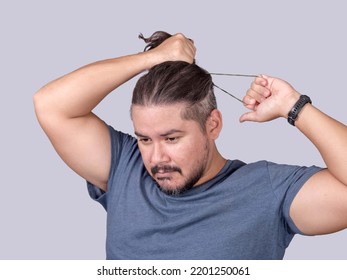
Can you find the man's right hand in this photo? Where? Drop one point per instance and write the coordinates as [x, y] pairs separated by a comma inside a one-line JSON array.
[[176, 48]]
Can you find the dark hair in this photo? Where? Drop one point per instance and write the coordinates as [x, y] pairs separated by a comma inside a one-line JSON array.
[[176, 82]]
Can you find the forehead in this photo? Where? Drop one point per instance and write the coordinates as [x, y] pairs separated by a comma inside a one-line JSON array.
[[162, 110], [160, 118]]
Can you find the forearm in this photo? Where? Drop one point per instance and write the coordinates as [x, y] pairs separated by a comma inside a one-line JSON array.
[[78, 93], [330, 138], [270, 98]]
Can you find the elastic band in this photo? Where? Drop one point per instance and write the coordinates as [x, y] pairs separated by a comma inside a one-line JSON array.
[[233, 96], [235, 75]]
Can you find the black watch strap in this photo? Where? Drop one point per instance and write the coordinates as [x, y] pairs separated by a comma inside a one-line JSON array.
[[294, 112]]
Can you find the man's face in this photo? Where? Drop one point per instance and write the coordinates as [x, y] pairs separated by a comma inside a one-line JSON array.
[[175, 151]]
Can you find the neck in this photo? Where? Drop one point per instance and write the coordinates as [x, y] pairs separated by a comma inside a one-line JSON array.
[[214, 166]]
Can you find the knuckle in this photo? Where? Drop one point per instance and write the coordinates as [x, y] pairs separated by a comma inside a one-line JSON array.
[[180, 35]]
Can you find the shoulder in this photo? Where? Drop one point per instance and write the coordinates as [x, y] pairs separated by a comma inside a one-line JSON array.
[[119, 136], [280, 177], [253, 169], [279, 170], [125, 155], [121, 143]]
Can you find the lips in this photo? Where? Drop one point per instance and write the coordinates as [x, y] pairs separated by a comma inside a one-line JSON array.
[[162, 175]]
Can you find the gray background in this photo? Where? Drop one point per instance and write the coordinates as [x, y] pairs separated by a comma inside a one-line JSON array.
[[45, 211]]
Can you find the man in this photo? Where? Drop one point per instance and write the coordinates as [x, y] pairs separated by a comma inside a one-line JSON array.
[[170, 194]]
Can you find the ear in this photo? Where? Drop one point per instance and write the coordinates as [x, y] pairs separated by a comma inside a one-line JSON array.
[[214, 124]]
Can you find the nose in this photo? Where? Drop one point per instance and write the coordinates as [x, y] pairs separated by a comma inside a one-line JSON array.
[[159, 154]]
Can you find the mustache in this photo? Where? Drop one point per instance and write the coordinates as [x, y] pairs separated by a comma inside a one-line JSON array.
[[165, 168]]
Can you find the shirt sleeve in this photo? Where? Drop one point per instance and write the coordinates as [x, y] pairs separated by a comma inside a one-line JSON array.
[[97, 194], [121, 143], [286, 181]]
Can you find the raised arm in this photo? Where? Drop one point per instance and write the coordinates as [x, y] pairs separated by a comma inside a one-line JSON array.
[[321, 205], [64, 106]]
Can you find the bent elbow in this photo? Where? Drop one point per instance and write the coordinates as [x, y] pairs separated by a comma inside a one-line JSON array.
[[43, 107], [39, 103]]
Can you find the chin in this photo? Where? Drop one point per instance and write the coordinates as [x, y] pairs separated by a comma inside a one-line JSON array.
[[173, 190]]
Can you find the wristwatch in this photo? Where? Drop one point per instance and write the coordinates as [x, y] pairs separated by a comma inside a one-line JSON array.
[[294, 112]]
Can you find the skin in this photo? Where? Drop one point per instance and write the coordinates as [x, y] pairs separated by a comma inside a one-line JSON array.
[[320, 207], [64, 110], [165, 139], [64, 106]]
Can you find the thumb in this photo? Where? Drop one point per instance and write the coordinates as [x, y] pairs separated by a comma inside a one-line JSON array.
[[249, 116]]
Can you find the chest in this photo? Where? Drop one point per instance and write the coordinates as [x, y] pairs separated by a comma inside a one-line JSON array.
[[203, 228]]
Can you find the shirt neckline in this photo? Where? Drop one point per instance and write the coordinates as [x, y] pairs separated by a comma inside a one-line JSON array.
[[206, 185]]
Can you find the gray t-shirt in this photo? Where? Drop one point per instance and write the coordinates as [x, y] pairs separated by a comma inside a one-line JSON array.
[[242, 213]]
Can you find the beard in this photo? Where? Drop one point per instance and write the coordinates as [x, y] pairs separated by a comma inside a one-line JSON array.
[[190, 179]]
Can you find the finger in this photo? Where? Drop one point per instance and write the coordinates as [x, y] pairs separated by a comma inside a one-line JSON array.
[[261, 90], [188, 45], [253, 94], [185, 48], [249, 102], [179, 35], [190, 52], [261, 80], [269, 81], [191, 45], [192, 49]]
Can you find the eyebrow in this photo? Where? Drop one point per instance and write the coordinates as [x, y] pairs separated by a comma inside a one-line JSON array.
[[171, 131]]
